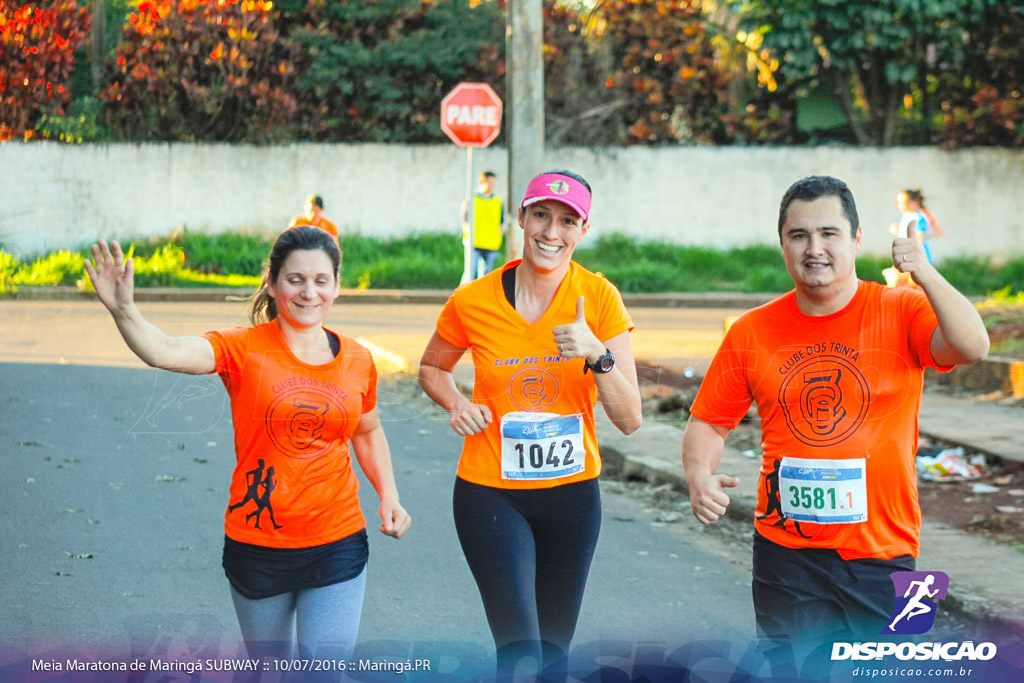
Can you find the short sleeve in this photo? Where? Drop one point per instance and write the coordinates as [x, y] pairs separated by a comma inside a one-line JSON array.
[[370, 396], [228, 346], [449, 325], [614, 318], [725, 396]]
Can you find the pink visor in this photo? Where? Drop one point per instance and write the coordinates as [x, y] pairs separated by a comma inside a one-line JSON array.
[[559, 188]]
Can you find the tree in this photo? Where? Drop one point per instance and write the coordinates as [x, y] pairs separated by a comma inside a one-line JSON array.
[[651, 72], [37, 45], [981, 103], [202, 70], [869, 54], [263, 71], [377, 71], [667, 69]]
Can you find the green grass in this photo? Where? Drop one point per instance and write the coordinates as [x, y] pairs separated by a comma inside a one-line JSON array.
[[423, 261], [434, 261], [654, 266], [58, 268]]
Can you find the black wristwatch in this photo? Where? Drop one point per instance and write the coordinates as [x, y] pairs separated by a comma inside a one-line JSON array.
[[603, 364]]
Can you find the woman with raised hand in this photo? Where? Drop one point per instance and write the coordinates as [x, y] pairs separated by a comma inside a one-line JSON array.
[[549, 339], [299, 393]]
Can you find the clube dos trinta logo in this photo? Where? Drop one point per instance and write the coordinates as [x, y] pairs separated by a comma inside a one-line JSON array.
[[916, 602]]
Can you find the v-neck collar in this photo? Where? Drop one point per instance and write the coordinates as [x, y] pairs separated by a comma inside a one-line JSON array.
[[516, 318], [279, 333]]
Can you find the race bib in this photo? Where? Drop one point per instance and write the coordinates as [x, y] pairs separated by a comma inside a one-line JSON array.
[[824, 491], [541, 445]]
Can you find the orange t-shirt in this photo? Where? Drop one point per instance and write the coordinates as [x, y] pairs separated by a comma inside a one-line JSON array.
[[519, 369], [293, 474], [324, 223], [834, 387]]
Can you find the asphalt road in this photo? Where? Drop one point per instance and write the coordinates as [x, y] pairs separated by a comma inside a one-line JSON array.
[[115, 483]]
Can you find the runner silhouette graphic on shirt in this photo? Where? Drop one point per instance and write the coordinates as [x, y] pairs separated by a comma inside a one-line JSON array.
[[915, 606], [255, 479], [774, 506]]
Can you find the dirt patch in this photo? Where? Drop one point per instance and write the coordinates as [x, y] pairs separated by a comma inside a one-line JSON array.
[[972, 506], [1005, 325]]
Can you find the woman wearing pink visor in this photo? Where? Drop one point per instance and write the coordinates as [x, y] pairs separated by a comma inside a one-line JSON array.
[[549, 339]]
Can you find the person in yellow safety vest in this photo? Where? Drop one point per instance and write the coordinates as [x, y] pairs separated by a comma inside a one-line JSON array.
[[488, 226]]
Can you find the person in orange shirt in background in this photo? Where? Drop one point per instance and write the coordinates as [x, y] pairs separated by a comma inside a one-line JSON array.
[[836, 369], [549, 340], [314, 216], [299, 393]]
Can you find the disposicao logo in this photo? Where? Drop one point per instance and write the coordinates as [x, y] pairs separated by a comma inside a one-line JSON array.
[[916, 596], [913, 613]]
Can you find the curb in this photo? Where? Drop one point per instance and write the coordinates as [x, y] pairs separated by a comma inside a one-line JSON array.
[[223, 294], [992, 374], [386, 296]]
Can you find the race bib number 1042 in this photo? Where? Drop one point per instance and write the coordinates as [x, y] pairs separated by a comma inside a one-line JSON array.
[[541, 445]]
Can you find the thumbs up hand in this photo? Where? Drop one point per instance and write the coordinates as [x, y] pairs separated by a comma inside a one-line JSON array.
[[576, 340]]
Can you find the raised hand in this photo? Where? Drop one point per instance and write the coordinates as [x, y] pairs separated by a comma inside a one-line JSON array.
[[576, 340], [112, 276], [908, 256]]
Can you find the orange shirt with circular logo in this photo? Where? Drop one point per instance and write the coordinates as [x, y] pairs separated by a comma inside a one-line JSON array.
[[836, 387], [518, 367], [293, 484]]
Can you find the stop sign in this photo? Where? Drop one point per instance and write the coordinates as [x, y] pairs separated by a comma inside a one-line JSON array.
[[471, 115]]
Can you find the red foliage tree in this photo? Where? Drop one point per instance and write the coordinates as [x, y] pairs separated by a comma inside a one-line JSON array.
[[37, 45], [981, 103], [647, 72], [667, 70], [202, 70]]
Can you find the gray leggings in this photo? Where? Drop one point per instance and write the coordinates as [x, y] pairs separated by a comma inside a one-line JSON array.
[[304, 622]]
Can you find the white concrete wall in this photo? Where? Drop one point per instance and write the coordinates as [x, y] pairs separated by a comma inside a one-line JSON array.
[[63, 196]]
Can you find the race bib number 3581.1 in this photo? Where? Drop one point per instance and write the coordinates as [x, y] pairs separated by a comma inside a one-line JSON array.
[[541, 445], [824, 491]]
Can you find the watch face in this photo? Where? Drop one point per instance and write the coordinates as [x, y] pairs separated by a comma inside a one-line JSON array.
[[605, 362]]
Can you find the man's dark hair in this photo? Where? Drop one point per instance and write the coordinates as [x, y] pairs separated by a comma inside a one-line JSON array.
[[815, 187]]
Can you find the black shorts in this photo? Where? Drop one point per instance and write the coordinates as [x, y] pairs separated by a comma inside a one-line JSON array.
[[814, 594], [258, 572]]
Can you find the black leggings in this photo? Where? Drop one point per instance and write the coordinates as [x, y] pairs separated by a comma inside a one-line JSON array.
[[530, 552]]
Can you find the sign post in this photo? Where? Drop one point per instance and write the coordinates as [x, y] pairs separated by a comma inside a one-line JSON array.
[[471, 117]]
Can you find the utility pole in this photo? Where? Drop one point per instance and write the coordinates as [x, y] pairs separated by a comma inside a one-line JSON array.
[[98, 45], [524, 110]]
